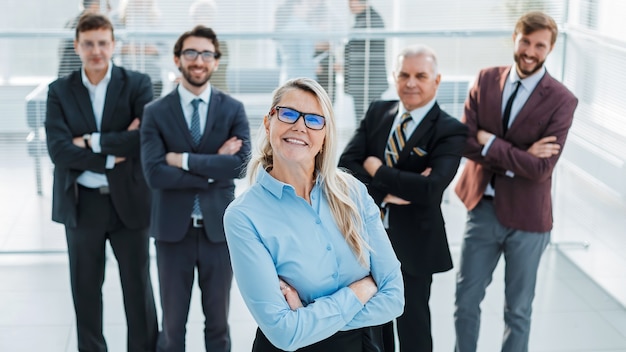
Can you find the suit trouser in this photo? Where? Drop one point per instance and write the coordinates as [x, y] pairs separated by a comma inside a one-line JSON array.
[[177, 263], [414, 325], [484, 242], [97, 222]]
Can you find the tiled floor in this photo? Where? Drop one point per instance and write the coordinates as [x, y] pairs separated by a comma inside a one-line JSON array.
[[571, 313]]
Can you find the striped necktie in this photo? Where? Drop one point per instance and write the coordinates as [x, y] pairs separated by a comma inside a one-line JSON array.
[[194, 129], [397, 140]]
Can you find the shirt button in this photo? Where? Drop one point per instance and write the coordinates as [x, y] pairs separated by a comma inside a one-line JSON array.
[[318, 221], [335, 275], [328, 248]]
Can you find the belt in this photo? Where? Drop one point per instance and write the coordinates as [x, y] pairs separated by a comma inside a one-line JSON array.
[[197, 222], [101, 190], [487, 197]]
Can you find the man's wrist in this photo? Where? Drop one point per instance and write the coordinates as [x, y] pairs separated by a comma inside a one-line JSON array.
[[86, 139]]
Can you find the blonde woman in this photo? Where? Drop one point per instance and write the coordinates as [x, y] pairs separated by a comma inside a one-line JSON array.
[[308, 249]]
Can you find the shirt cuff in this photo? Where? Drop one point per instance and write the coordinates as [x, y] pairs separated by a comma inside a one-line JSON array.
[[185, 161], [487, 145], [110, 162], [95, 144]]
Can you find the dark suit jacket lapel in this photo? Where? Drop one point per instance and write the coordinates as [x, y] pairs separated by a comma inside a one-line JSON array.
[[384, 128], [178, 118], [420, 131], [81, 96], [116, 84], [212, 113], [498, 101]]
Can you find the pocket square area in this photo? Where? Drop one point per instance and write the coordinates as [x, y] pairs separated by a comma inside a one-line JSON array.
[[419, 151]]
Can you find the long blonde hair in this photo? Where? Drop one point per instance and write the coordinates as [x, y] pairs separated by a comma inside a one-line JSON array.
[[339, 187]]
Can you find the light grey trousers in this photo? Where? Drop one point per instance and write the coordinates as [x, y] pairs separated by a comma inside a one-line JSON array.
[[485, 240]]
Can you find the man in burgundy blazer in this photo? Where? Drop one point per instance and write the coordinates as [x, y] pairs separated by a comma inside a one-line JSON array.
[[506, 182]]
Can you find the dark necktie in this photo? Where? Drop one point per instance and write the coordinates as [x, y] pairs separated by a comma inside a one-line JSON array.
[[506, 117], [396, 141], [194, 129]]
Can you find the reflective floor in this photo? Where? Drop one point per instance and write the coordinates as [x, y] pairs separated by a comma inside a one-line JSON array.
[[571, 313]]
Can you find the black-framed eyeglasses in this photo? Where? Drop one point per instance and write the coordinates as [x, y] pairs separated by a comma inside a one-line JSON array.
[[192, 55], [291, 116]]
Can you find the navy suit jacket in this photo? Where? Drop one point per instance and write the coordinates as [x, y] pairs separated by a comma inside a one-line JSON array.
[[417, 230], [70, 114], [210, 175], [522, 202]]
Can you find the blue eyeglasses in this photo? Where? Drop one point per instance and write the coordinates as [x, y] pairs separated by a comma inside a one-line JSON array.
[[291, 116]]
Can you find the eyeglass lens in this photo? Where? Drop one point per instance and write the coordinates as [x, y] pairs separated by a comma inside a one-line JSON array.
[[191, 54], [312, 121]]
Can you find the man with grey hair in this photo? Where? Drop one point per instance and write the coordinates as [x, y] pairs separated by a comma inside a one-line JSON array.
[[407, 152]]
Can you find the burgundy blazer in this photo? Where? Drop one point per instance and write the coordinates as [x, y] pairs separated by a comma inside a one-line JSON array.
[[523, 201]]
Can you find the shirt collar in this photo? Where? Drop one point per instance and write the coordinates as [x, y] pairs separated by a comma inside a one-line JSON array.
[[186, 96], [529, 83], [105, 80], [417, 115], [274, 186]]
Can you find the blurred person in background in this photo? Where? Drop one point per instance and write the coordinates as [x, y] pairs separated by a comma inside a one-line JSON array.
[[364, 69], [205, 12], [69, 61], [295, 54], [140, 53]]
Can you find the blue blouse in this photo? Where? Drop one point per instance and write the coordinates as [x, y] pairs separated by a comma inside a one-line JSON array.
[[272, 232]]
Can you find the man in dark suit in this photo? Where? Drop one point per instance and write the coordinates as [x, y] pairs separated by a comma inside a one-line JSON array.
[[365, 69], [99, 192], [195, 141], [518, 118], [407, 153]]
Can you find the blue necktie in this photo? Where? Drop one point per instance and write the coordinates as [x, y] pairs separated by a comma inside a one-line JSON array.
[[194, 129]]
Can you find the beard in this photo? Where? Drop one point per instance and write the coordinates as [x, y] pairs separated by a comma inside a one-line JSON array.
[[196, 82], [519, 62]]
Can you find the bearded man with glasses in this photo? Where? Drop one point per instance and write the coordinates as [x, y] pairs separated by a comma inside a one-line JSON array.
[[195, 142]]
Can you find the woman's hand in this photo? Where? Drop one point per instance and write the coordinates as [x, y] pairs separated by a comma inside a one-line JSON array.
[[291, 295], [364, 289]]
